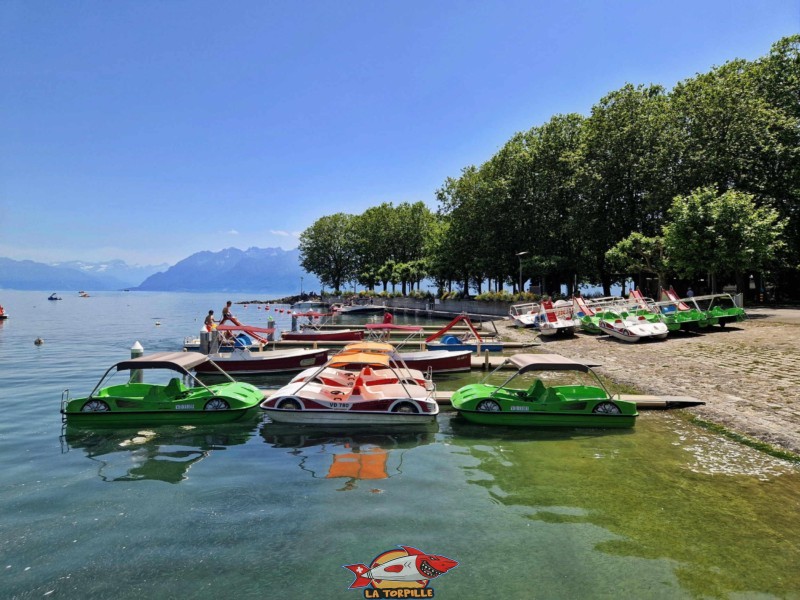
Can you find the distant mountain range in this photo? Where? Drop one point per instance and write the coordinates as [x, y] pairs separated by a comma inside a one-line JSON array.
[[252, 270], [270, 270], [72, 275]]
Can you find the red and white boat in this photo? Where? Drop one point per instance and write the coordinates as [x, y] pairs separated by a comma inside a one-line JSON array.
[[355, 388], [556, 319], [324, 335], [341, 368], [243, 361], [242, 349], [438, 361]]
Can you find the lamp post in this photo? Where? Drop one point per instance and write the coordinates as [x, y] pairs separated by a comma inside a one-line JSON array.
[[301, 285], [519, 256]]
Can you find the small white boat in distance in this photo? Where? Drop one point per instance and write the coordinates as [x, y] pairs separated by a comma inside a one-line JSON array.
[[525, 314], [310, 306], [360, 309], [631, 328]]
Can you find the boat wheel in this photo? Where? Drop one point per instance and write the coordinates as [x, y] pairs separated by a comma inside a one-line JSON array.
[[406, 408], [95, 406], [289, 405], [488, 406], [217, 404], [606, 408]]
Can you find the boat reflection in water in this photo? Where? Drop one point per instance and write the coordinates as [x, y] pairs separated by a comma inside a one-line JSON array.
[[357, 455], [164, 453]]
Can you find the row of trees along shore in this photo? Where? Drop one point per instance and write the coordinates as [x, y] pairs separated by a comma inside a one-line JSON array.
[[700, 183]]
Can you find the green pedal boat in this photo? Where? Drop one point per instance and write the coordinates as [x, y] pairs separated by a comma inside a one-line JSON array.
[[539, 405], [136, 402]]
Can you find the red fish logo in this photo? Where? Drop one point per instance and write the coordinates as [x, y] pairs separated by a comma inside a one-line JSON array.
[[406, 568]]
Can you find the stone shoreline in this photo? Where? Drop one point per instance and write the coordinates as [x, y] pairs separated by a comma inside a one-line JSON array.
[[747, 373]]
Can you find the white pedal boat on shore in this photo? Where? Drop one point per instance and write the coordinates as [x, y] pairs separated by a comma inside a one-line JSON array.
[[631, 328]]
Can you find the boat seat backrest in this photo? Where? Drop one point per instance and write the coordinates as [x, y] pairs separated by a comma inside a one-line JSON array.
[[550, 314], [551, 395], [536, 390], [154, 394], [173, 388]]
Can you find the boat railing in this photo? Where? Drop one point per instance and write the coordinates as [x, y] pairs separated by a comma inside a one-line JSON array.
[[604, 301], [64, 402], [712, 300], [526, 308], [562, 313], [643, 303]]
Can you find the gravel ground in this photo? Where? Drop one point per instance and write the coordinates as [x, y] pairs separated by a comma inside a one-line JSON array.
[[747, 373]]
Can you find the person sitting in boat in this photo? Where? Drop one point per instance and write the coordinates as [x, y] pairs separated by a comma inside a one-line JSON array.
[[210, 322], [227, 315]]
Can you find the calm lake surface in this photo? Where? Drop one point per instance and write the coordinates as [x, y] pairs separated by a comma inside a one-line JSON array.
[[256, 510]]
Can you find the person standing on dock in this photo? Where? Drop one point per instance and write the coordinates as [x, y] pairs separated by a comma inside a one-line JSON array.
[[227, 315], [388, 318], [210, 323]]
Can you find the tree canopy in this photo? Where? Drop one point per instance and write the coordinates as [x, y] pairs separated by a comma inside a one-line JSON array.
[[701, 178]]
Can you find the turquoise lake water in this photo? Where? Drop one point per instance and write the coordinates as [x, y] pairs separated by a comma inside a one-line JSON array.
[[256, 510]]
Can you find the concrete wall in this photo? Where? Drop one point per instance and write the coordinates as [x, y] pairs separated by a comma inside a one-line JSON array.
[[471, 307]]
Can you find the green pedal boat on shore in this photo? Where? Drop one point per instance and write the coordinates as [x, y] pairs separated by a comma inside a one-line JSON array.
[[539, 405]]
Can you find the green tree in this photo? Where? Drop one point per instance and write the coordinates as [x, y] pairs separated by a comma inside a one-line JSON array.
[[459, 252], [386, 274], [555, 221], [638, 254], [373, 235], [408, 230], [440, 267], [778, 80], [629, 149], [721, 234], [730, 134], [327, 249]]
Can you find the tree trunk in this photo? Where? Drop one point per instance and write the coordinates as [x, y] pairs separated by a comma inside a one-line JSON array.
[[605, 281]]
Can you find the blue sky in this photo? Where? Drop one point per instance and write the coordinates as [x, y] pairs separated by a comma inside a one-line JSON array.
[[151, 130]]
